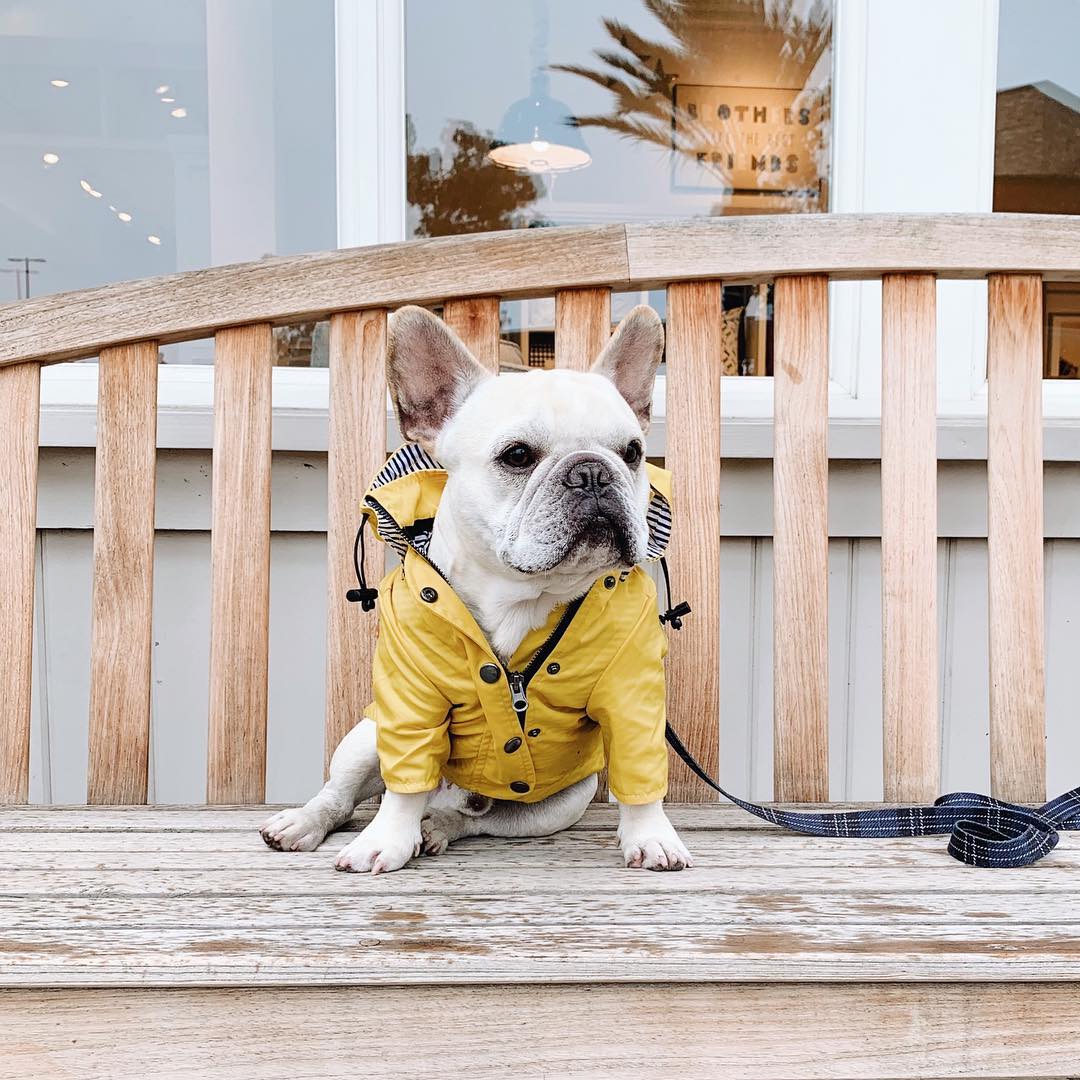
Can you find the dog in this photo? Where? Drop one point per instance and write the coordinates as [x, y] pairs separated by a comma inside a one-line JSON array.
[[519, 642]]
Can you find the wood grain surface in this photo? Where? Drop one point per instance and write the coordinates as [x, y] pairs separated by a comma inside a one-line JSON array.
[[19, 396], [751, 1032], [294, 288], [535, 262], [176, 898], [801, 540], [122, 612], [909, 538], [240, 566], [694, 345], [757, 248], [1015, 539], [476, 322], [357, 452], [582, 326]]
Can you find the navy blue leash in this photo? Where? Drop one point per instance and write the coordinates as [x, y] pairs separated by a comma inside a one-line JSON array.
[[984, 831]]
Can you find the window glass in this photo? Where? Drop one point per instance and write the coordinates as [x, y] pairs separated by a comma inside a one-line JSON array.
[[143, 137], [1037, 147], [617, 110]]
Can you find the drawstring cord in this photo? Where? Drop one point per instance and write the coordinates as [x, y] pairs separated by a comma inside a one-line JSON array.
[[675, 613], [364, 596]]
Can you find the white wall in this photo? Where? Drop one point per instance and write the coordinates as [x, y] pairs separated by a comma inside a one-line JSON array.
[[298, 609]]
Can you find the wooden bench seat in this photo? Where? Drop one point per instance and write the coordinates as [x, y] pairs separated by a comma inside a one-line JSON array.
[[510, 933]]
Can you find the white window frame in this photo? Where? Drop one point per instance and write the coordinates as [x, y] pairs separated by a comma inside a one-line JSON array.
[[886, 127]]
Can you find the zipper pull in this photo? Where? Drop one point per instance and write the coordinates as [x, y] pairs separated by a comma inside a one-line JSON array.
[[517, 693]]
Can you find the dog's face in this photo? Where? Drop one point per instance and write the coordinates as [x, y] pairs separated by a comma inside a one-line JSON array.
[[546, 470]]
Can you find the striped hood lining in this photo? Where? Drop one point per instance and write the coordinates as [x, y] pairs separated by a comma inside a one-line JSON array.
[[411, 458]]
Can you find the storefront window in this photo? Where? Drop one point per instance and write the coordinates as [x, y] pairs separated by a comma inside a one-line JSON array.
[[617, 110], [1037, 148], [145, 138]]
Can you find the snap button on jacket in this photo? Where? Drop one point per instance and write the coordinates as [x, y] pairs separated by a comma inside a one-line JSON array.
[[597, 696]]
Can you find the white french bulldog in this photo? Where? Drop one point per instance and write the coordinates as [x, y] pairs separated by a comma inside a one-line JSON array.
[[514, 539]]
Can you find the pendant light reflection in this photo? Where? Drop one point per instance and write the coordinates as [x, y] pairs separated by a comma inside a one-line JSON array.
[[537, 136], [538, 133]]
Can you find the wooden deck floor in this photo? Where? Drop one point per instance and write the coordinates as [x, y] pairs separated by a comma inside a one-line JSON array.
[[532, 933]]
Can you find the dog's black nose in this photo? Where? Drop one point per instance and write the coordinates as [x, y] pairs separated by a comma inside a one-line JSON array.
[[591, 476]]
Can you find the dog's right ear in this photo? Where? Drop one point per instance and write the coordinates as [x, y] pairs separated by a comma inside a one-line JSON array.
[[429, 372]]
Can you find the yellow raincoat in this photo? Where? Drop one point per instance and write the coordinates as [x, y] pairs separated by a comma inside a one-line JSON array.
[[586, 687]]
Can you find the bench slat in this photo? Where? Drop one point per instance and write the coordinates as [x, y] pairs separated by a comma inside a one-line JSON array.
[[240, 565], [582, 326], [800, 540], [122, 611], [724, 1032], [1015, 538], [694, 341], [19, 396], [909, 537], [357, 452], [476, 322]]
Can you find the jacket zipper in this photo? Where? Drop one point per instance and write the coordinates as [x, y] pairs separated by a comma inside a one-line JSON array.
[[519, 680]]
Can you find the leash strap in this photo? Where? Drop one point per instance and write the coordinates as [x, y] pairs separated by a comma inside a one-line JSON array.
[[983, 831]]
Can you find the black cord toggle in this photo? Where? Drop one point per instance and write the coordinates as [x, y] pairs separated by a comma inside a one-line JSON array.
[[365, 596], [674, 616], [675, 612]]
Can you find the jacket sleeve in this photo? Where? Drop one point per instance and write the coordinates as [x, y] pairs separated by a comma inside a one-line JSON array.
[[628, 704], [412, 717]]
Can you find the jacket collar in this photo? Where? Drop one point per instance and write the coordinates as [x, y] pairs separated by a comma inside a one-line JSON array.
[[403, 498]]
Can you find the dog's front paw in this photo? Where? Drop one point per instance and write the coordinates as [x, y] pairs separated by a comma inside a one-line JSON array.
[[656, 849], [380, 848], [294, 830]]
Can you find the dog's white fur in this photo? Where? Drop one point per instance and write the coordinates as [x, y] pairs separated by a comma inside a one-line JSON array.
[[502, 542]]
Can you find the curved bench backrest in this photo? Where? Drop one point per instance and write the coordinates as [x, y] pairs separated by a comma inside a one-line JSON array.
[[124, 324]]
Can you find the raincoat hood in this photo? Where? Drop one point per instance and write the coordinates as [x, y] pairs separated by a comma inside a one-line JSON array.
[[584, 688]]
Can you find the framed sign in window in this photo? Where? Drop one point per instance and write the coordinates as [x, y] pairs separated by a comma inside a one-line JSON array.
[[765, 142]]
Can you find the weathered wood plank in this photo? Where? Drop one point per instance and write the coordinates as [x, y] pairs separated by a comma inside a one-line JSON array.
[[909, 538], [232, 819], [19, 395], [694, 333], [758, 248], [1015, 539], [467, 875], [121, 630], [240, 566], [801, 540], [569, 950], [476, 322], [465, 911], [357, 452], [582, 326], [753, 1032], [580, 850], [282, 289]]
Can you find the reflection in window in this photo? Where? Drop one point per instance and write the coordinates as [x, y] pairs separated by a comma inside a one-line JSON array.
[[615, 111], [143, 137], [1037, 145]]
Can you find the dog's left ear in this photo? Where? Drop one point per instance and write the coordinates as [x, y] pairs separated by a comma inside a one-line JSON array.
[[631, 357]]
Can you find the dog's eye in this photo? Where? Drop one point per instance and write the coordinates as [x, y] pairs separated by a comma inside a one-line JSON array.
[[518, 456], [632, 453]]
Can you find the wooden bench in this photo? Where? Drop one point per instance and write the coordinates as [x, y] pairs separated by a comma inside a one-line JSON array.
[[143, 941]]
